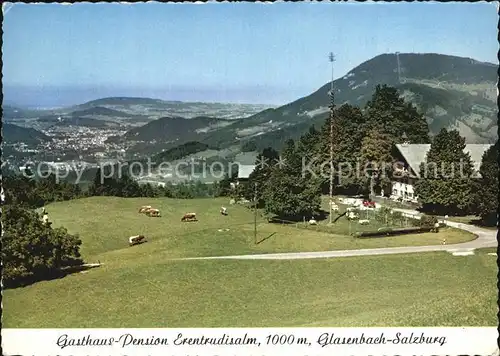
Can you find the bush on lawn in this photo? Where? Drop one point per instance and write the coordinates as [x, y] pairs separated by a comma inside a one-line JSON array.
[[426, 221], [392, 232], [383, 214], [34, 251]]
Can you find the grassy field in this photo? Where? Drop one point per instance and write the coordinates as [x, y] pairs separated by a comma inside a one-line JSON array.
[[430, 289], [142, 286], [105, 223]]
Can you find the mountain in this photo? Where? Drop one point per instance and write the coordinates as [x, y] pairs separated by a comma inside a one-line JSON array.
[[105, 112], [130, 111], [17, 134], [452, 92], [76, 121], [174, 129], [150, 109], [119, 101], [181, 151]]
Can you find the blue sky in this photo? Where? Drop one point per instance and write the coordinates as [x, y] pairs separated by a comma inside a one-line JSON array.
[[238, 52]]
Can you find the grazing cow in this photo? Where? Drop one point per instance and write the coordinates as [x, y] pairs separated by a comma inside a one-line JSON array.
[[364, 222], [153, 213], [189, 217], [313, 222], [145, 208], [223, 211], [134, 240]]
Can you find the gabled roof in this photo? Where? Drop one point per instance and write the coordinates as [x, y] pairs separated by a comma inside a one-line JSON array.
[[476, 152], [415, 154], [244, 170]]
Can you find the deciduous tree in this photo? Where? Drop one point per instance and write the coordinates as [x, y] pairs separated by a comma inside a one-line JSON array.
[[288, 193], [32, 250]]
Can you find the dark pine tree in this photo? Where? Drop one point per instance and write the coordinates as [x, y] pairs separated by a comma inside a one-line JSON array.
[[388, 112], [486, 187], [445, 184]]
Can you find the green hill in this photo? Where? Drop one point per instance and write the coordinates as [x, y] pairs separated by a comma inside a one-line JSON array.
[[76, 121], [103, 111], [119, 101], [177, 130], [17, 134], [181, 151]]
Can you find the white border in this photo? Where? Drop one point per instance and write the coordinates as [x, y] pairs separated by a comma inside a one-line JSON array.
[[444, 341]]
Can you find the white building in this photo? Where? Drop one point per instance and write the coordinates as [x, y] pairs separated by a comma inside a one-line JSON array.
[[403, 191], [244, 171], [412, 155]]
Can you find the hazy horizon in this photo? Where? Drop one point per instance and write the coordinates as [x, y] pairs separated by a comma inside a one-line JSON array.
[[59, 55]]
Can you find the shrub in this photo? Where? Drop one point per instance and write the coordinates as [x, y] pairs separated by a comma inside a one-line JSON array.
[[427, 221], [383, 214], [392, 232], [32, 250]]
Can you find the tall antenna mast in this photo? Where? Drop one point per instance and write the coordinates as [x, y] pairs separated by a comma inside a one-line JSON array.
[[331, 58], [399, 68]]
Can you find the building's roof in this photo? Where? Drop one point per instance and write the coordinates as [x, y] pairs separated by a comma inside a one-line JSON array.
[[415, 154], [246, 158], [476, 152], [244, 170]]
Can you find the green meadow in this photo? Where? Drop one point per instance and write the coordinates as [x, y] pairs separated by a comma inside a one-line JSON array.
[[147, 286]]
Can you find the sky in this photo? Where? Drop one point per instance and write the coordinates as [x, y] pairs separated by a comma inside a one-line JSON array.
[[56, 54]]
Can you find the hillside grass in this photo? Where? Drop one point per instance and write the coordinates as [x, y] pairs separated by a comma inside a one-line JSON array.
[[105, 223], [428, 289], [143, 286]]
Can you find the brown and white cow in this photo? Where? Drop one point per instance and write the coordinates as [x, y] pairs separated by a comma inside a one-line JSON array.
[[145, 209], [153, 213], [134, 240], [189, 217]]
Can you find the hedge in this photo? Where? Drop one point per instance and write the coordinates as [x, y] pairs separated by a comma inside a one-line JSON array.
[[393, 232]]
